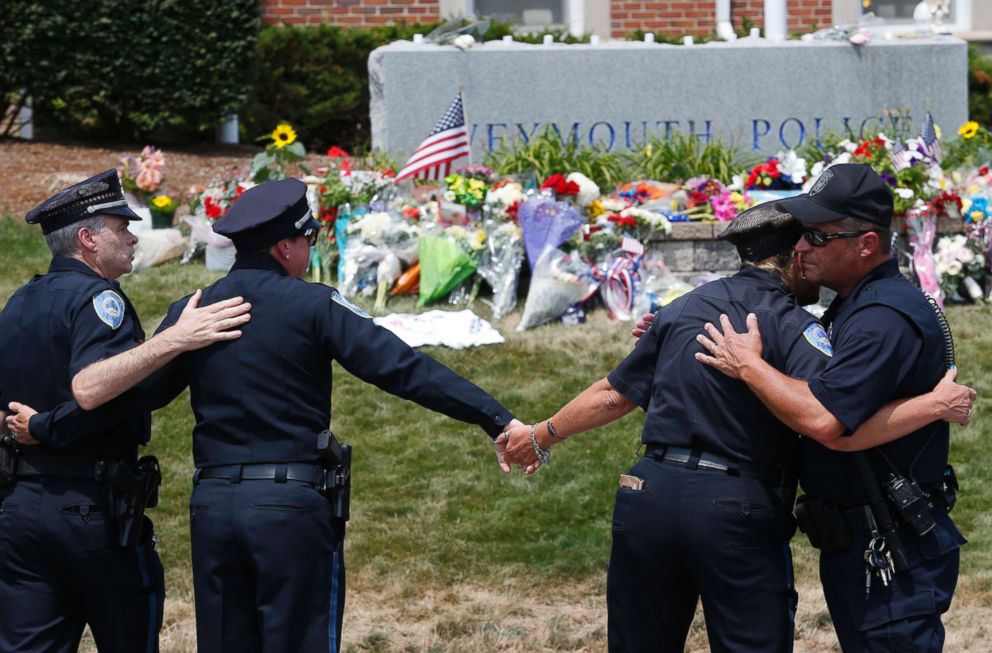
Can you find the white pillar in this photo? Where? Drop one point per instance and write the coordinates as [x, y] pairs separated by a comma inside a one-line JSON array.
[[227, 130], [25, 121], [576, 17], [775, 20]]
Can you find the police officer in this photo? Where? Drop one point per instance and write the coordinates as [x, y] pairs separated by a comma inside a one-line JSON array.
[[706, 513], [268, 513], [70, 555], [889, 551]]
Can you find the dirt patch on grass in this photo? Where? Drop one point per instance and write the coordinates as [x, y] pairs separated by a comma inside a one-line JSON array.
[[525, 615]]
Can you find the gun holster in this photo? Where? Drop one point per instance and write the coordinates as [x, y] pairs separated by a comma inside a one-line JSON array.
[[8, 461], [336, 485], [131, 489], [823, 525]]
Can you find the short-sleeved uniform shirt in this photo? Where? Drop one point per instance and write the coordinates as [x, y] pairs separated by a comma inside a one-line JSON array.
[[265, 396], [53, 327], [878, 357], [689, 404]]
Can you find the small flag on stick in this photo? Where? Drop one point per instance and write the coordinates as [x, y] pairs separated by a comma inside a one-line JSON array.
[[447, 141], [930, 140]]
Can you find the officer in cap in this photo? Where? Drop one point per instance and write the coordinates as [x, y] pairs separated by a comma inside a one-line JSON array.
[[76, 547], [889, 550], [269, 505], [706, 513]]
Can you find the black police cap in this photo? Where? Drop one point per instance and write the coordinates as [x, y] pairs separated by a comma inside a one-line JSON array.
[[762, 231], [101, 194], [267, 213], [846, 190]]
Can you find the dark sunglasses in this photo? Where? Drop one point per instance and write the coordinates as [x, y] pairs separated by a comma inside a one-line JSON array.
[[311, 236], [821, 238]]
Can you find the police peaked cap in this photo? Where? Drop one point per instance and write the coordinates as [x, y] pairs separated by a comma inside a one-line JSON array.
[[266, 214], [101, 194], [762, 231], [846, 190]]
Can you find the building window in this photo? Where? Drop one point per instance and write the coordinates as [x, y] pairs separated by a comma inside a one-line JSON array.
[[528, 14], [899, 13]]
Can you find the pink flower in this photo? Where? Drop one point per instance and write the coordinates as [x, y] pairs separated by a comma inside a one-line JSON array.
[[860, 37]]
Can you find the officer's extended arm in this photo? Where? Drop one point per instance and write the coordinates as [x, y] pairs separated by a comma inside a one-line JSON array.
[[596, 406], [196, 327], [739, 355]]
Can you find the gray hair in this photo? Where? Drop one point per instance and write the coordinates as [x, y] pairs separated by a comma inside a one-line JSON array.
[[62, 242]]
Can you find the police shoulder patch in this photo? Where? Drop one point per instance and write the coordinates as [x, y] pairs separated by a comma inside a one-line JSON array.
[[817, 337], [341, 301], [109, 308]]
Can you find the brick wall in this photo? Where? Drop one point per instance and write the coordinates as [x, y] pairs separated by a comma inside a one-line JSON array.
[[698, 17], [352, 13]]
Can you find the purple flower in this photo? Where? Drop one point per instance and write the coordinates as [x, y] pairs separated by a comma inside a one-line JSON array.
[[889, 179]]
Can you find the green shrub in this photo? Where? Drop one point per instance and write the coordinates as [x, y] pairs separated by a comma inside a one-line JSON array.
[[979, 87], [129, 68]]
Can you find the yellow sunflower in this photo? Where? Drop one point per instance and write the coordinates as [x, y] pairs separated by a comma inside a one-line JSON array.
[[969, 129], [283, 135]]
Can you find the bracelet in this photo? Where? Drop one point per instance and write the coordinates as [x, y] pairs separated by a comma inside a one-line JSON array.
[[551, 430], [544, 455]]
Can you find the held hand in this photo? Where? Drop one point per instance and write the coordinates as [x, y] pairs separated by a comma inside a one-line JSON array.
[[198, 327], [500, 443], [730, 352], [642, 326], [956, 401], [519, 449], [17, 422]]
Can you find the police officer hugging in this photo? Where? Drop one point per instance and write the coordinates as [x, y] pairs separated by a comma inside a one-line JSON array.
[[76, 547]]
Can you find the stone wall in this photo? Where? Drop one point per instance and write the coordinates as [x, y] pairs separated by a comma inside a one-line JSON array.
[[350, 13], [692, 248]]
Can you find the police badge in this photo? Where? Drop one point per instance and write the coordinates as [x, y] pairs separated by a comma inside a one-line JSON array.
[[109, 308]]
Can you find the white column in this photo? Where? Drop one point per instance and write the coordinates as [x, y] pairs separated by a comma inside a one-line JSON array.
[[25, 121], [575, 15], [227, 130], [775, 20]]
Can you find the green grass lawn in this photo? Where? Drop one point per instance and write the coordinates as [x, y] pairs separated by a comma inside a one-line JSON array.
[[429, 503]]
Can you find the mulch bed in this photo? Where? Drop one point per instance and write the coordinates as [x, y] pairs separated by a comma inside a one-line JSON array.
[[31, 171]]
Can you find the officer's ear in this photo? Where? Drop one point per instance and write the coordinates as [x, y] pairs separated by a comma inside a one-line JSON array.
[[281, 250], [869, 244], [86, 239]]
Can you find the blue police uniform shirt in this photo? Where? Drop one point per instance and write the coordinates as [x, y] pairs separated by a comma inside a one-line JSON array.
[[50, 329], [265, 396], [689, 404], [887, 345]]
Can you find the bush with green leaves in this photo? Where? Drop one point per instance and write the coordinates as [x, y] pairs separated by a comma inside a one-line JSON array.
[[129, 69], [979, 87]]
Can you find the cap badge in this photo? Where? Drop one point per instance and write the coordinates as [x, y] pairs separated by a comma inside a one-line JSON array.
[[109, 308], [827, 175]]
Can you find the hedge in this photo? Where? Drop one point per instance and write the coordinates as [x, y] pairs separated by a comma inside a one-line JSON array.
[[127, 69]]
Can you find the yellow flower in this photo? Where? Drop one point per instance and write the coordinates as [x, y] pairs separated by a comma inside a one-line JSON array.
[[478, 240], [648, 150], [938, 131], [596, 209], [162, 202], [969, 129], [283, 135], [977, 216]]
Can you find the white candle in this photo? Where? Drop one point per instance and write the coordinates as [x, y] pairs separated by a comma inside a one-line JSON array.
[[418, 39], [594, 39], [508, 38], [649, 37], [548, 39], [687, 40], [755, 33]]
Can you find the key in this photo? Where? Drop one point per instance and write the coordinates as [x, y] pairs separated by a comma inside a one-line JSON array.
[[867, 581]]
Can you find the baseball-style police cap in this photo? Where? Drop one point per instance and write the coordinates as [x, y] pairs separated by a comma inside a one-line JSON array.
[[846, 190], [101, 194], [762, 231], [267, 213]]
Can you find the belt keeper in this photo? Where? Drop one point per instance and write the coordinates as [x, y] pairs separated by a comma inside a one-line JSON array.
[[281, 473], [693, 462], [236, 474], [196, 477]]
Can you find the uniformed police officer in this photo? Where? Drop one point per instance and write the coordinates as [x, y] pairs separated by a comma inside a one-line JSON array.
[[70, 555], [706, 513], [887, 342], [266, 519]]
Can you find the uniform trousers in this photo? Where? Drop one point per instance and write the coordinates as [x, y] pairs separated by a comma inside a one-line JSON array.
[[903, 617], [699, 534], [268, 567], [61, 568]]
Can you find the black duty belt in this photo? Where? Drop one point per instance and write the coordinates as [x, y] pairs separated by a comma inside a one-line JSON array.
[[279, 472], [697, 459], [37, 465]]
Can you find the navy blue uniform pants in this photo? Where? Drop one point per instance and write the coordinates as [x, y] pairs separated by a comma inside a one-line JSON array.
[[698, 534], [61, 568], [268, 568], [905, 616]]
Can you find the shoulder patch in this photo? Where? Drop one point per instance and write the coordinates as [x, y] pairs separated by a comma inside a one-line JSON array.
[[817, 337], [341, 301], [109, 308]]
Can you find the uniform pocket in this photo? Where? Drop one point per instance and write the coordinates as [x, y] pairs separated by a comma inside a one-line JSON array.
[[887, 608], [942, 540], [280, 507], [744, 509], [89, 525]]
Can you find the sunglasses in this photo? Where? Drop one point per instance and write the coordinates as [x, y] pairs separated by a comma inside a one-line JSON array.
[[821, 238], [311, 236]]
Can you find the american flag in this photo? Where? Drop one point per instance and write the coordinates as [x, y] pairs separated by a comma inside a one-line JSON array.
[[447, 142], [930, 140], [901, 157]]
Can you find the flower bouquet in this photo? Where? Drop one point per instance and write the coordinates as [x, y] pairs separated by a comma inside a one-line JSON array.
[[546, 222], [143, 175], [379, 244], [500, 263], [208, 204], [786, 171], [447, 258], [560, 280], [163, 210], [960, 266]]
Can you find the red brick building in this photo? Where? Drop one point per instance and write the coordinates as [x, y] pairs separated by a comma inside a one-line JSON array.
[[616, 18]]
